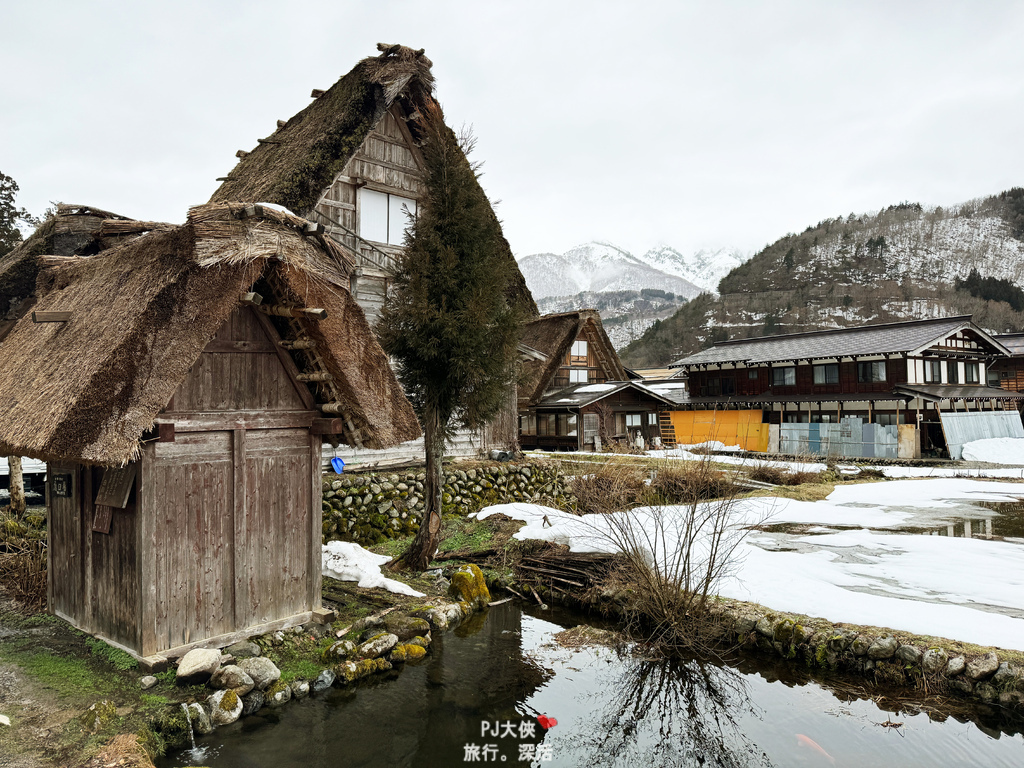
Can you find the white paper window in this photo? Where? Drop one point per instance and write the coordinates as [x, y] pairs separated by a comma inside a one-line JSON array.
[[578, 375], [373, 215], [383, 218], [399, 209], [578, 353]]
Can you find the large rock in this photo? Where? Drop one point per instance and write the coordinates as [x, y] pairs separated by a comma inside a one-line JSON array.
[[1004, 676], [197, 666], [300, 689], [376, 646], [406, 627], [468, 585], [982, 667], [200, 719], [882, 648], [908, 654], [244, 649], [934, 660], [233, 678], [956, 666], [323, 681], [253, 702], [278, 694], [225, 707], [262, 670]]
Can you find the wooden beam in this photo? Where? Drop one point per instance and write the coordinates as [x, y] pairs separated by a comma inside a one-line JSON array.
[[206, 422], [51, 317], [313, 313], [252, 298], [328, 427], [306, 378], [269, 141], [241, 153], [282, 123], [316, 93], [165, 432], [336, 408], [302, 343]]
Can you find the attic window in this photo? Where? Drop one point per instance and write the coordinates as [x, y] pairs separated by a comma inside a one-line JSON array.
[[578, 353], [578, 376], [383, 218]]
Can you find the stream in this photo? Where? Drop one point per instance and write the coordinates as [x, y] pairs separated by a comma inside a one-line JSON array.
[[480, 694]]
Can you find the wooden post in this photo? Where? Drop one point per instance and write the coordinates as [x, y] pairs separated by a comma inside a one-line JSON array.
[[282, 311]]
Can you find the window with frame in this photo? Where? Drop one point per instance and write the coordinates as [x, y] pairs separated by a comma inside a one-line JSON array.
[[952, 372], [591, 427], [826, 374], [784, 377], [383, 218], [871, 372], [633, 420], [528, 424], [933, 371], [971, 373], [752, 374], [728, 385], [578, 353], [567, 424], [652, 419], [578, 375], [546, 425]]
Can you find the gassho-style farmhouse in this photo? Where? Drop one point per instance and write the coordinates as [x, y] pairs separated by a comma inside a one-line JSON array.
[[182, 382]]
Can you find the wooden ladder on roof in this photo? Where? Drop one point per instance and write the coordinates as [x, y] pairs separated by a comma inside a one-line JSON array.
[[668, 432], [313, 370]]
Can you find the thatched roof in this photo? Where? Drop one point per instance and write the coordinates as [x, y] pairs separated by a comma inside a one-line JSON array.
[[553, 335], [142, 313], [74, 230], [295, 164]]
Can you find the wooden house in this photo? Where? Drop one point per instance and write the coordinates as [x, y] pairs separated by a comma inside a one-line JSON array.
[[899, 386], [575, 388], [180, 386], [350, 161]]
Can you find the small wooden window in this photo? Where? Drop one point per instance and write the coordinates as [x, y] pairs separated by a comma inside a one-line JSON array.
[[578, 375], [784, 376], [971, 373], [826, 374], [952, 372], [933, 371], [590, 427], [633, 420], [871, 372]]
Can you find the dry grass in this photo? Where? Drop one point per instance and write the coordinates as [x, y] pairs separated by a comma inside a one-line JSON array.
[[766, 473]]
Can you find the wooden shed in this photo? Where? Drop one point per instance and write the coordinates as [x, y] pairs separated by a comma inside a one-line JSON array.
[[180, 386]]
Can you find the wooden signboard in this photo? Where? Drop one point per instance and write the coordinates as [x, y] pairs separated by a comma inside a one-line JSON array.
[[60, 485], [101, 522], [116, 486]]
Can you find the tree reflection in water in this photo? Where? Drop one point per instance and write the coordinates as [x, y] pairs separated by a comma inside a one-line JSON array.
[[673, 713]]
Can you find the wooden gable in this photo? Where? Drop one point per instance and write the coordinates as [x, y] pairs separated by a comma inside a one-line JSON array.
[[242, 369], [387, 161]]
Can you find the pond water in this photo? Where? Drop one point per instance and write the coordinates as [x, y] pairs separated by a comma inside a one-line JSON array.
[[478, 696]]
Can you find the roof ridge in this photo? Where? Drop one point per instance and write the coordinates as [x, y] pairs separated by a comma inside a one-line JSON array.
[[851, 329]]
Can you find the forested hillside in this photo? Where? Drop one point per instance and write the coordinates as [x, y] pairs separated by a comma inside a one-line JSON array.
[[904, 262]]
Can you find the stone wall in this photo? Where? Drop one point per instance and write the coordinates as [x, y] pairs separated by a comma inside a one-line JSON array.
[[369, 507]]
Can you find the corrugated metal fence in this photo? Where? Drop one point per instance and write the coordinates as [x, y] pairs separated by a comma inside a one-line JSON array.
[[851, 438], [963, 428]]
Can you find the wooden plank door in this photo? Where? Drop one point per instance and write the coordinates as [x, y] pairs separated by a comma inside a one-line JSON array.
[[66, 562]]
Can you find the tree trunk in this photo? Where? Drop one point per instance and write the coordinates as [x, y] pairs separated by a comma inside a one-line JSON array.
[[17, 486], [424, 546]]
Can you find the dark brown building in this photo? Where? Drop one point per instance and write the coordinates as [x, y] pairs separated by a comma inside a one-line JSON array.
[[576, 388]]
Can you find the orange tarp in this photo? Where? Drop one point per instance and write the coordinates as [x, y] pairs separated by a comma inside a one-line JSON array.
[[742, 428]]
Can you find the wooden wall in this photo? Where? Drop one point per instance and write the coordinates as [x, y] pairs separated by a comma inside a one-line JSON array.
[[702, 382], [222, 529]]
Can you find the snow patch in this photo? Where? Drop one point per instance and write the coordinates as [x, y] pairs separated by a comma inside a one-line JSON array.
[[347, 561], [996, 450]]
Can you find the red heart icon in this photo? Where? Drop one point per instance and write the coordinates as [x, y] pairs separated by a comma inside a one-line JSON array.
[[547, 722]]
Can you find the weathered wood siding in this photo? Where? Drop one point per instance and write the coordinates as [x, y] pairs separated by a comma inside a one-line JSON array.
[[113, 564], [190, 494], [238, 370], [273, 540], [66, 553]]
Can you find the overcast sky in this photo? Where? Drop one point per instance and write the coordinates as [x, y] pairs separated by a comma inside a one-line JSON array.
[[691, 124]]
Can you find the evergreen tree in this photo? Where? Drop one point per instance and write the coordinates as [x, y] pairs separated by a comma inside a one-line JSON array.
[[10, 215], [447, 321]]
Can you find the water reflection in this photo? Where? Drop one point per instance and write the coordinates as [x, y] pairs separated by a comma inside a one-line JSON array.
[[673, 713]]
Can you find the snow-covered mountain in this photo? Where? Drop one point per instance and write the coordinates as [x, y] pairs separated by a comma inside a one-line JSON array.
[[600, 267], [703, 268]]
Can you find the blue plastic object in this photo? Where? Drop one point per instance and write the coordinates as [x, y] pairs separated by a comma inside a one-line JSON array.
[[339, 464]]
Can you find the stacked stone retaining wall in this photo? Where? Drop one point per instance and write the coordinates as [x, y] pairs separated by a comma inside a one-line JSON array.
[[368, 508]]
